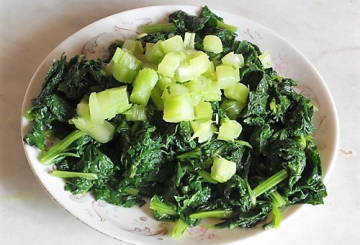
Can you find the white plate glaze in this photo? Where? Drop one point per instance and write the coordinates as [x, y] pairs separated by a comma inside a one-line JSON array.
[[136, 225]]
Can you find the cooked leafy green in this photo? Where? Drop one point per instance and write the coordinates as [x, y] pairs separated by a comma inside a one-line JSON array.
[[277, 161]]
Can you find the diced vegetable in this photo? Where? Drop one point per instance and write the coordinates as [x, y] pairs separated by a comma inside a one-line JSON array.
[[222, 170], [133, 46], [178, 108], [202, 130], [144, 83], [235, 60], [154, 52], [170, 63], [232, 108], [227, 76], [229, 130], [174, 89], [124, 66], [238, 92], [156, 98], [213, 44], [266, 60], [102, 132], [108, 103], [173, 44], [212, 92], [136, 113], [203, 111], [189, 40]]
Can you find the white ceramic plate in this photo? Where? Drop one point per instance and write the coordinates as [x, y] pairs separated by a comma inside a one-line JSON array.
[[136, 225]]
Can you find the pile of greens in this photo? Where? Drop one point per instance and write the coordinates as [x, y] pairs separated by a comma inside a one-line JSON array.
[[277, 161]]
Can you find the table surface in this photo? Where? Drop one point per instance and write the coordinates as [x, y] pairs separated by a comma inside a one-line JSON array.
[[327, 32]]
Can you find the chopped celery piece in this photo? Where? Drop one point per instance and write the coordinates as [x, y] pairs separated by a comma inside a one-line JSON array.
[[124, 66], [123, 74], [150, 65], [174, 89], [133, 46], [101, 132], [202, 130], [194, 65], [136, 113], [203, 111], [154, 52], [144, 82], [164, 82], [156, 98], [170, 63], [189, 40], [265, 59], [95, 109], [235, 60], [82, 109], [118, 55], [232, 108], [222, 170], [173, 44], [200, 63], [229, 130], [212, 92], [195, 90], [142, 58], [126, 59], [178, 108], [184, 72], [210, 72], [227, 76], [213, 44], [193, 85], [238, 92], [111, 101]]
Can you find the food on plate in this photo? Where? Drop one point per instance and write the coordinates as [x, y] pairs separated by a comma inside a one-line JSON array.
[[184, 114]]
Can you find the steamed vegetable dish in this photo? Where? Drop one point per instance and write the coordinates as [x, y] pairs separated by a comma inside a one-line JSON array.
[[185, 116]]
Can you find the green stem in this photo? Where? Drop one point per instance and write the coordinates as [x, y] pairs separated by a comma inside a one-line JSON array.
[[131, 191], [59, 149], [158, 28], [221, 214], [179, 229], [207, 177], [222, 25], [161, 207], [276, 219], [194, 154], [69, 174], [270, 183], [278, 199]]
